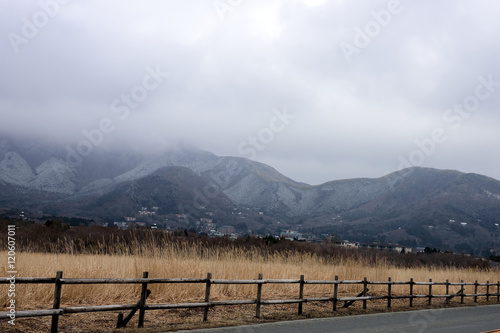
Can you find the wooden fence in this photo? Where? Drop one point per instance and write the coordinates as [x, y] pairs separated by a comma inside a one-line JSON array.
[[142, 306]]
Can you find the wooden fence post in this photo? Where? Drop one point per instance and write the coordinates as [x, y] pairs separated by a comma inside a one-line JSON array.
[[259, 297], [498, 291], [411, 292], [57, 301], [447, 291], [365, 287], [475, 291], [301, 293], [430, 292], [123, 321], [142, 301], [462, 291], [207, 296], [335, 293], [389, 292], [487, 291]]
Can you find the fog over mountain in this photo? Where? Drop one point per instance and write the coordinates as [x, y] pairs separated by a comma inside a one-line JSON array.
[[320, 90], [415, 206]]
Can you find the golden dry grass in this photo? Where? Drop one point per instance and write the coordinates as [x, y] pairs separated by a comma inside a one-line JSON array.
[[192, 261]]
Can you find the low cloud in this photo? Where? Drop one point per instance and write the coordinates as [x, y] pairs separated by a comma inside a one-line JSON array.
[[227, 76]]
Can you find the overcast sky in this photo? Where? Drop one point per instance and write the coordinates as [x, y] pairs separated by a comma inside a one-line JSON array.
[[320, 90]]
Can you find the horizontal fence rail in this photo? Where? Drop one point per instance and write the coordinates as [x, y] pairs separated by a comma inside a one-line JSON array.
[[142, 306]]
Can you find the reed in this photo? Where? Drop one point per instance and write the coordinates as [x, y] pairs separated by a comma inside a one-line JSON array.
[[165, 258]]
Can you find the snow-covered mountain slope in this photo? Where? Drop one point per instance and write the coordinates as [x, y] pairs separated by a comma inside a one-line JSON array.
[[15, 170], [54, 175], [245, 182]]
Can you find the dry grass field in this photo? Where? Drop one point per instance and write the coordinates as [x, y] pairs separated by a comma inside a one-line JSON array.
[[193, 260]]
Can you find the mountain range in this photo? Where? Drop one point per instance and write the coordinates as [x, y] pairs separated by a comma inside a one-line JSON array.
[[446, 209]]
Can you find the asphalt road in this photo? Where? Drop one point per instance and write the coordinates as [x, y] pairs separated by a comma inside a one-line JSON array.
[[464, 319]]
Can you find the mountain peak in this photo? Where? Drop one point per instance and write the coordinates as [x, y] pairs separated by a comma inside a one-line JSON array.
[[401, 207]]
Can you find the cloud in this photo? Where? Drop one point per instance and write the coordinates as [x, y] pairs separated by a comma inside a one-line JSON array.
[[227, 75]]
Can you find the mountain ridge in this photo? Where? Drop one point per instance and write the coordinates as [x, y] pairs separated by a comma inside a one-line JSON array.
[[412, 205]]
